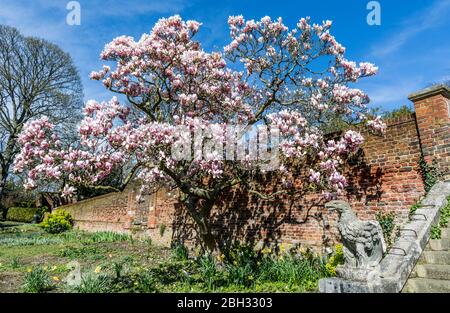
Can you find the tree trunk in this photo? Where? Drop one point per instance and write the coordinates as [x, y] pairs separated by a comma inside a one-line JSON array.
[[200, 210], [3, 178], [206, 235]]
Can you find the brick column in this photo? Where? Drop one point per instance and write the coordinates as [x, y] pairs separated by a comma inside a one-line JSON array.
[[432, 106]]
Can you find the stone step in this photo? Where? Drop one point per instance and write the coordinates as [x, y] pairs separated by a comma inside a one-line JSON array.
[[427, 285], [445, 232], [433, 271], [438, 244], [435, 257]]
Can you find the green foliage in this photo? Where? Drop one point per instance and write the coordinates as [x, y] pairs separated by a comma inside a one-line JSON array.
[[404, 110], [435, 232], [413, 209], [171, 271], [162, 229], [96, 237], [208, 269], [445, 214], [179, 252], [25, 241], [336, 259], [443, 221], [93, 283], [37, 280], [57, 222], [387, 223], [88, 252], [429, 172], [15, 262], [24, 214]]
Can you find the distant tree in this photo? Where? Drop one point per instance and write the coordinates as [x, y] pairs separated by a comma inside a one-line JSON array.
[[37, 79], [398, 112]]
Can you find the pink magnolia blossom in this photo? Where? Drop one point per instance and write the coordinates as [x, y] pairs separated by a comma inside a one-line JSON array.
[[172, 83]]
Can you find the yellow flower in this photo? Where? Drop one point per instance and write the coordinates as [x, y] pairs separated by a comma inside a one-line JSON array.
[[220, 258], [98, 269], [235, 262], [266, 250], [45, 268], [55, 278], [110, 255], [136, 283], [282, 248], [53, 268], [29, 270]]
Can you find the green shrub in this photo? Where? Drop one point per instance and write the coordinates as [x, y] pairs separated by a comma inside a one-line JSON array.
[[57, 222], [23, 214], [37, 280], [336, 259]]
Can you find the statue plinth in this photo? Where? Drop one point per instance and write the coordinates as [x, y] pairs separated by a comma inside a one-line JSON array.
[[355, 273]]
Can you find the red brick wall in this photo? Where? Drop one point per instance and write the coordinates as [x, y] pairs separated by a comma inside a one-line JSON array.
[[385, 177]]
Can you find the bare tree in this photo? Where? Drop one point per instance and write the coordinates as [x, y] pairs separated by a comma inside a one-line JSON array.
[[36, 78]]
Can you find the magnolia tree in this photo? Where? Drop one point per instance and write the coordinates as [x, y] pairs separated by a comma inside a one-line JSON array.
[[182, 98]]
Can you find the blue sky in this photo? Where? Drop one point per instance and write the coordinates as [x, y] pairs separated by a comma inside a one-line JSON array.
[[411, 46]]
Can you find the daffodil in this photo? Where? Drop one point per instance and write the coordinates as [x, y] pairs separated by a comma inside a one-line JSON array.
[[29, 270], [221, 257], [98, 269], [55, 278]]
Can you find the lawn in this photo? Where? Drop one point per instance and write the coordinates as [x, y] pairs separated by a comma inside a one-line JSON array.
[[32, 260]]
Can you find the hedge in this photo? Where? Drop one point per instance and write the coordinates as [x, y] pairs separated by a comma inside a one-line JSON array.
[[25, 215]]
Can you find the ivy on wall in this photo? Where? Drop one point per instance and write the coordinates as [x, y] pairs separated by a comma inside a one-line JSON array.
[[429, 172]]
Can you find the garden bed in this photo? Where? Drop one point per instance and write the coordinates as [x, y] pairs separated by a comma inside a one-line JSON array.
[[34, 261]]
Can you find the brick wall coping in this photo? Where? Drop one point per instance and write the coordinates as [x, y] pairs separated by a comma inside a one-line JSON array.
[[400, 120], [106, 195], [439, 89]]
